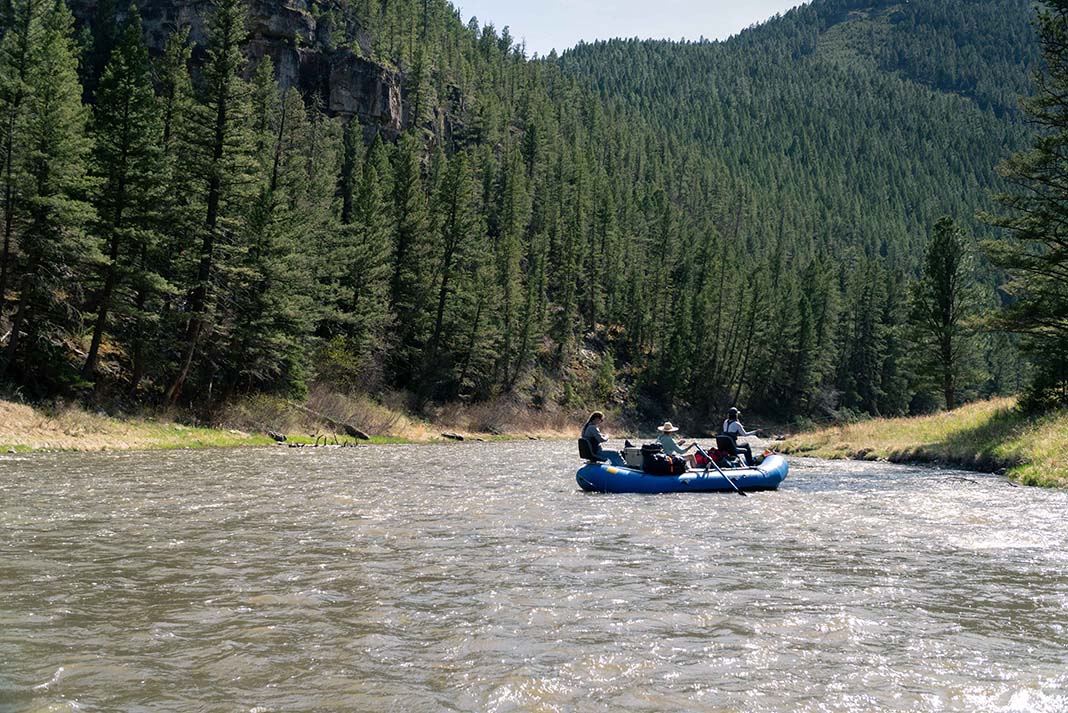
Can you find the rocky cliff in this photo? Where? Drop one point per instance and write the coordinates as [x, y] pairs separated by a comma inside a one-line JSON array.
[[298, 37]]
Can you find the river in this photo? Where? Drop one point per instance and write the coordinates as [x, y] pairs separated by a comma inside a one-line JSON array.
[[478, 577]]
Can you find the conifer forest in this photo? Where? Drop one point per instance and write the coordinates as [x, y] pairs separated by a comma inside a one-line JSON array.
[[855, 208]]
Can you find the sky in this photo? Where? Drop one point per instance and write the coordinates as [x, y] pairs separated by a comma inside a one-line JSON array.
[[560, 24]]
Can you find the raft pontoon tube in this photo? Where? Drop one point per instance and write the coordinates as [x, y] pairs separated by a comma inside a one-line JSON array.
[[603, 478]]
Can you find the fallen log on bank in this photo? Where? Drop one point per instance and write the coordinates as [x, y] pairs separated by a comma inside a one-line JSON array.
[[346, 428]]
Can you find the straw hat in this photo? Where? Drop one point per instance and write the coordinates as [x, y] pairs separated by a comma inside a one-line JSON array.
[[667, 428]]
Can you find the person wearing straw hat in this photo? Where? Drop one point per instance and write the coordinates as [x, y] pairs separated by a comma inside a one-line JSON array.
[[673, 447]]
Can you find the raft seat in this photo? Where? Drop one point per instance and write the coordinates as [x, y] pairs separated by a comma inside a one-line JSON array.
[[586, 452], [727, 445]]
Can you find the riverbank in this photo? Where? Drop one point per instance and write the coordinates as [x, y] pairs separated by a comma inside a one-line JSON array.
[[322, 419], [989, 436], [26, 428]]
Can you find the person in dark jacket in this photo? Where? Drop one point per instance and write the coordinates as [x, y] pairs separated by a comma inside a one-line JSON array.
[[592, 433]]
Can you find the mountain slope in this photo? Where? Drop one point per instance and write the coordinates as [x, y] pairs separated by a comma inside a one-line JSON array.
[[855, 123]]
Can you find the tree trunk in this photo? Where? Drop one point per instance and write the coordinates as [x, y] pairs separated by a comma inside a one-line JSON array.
[[439, 317], [198, 303], [138, 349], [524, 335], [110, 281], [9, 210], [102, 314], [192, 335], [949, 390], [25, 292], [471, 342], [9, 161]]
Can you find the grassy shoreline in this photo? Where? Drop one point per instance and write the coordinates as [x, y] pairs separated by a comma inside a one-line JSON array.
[[25, 428], [988, 436]]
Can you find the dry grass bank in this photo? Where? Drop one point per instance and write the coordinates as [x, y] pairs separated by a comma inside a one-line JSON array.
[[390, 418], [246, 423], [988, 435], [25, 428]]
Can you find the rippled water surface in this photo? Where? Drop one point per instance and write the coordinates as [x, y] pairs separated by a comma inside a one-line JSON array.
[[477, 577]]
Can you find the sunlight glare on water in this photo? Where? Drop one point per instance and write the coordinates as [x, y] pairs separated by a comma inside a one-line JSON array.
[[477, 577]]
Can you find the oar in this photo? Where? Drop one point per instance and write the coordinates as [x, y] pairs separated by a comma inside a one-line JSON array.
[[712, 463]]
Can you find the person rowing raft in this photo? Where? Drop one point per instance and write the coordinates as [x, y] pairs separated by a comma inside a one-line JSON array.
[[734, 428]]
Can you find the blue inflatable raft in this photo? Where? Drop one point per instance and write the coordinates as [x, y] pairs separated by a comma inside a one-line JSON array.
[[604, 478]]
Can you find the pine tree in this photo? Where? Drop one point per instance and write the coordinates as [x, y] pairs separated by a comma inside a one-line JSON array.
[[128, 160], [417, 90], [942, 308], [566, 237], [410, 223], [511, 215], [261, 250], [320, 160], [271, 292], [351, 153], [157, 319], [221, 160], [1036, 219], [175, 89], [863, 339], [364, 254], [19, 52], [456, 239], [50, 211]]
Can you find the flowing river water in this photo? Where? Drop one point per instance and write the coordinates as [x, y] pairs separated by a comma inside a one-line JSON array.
[[477, 577]]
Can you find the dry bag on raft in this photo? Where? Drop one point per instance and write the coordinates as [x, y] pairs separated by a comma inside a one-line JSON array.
[[656, 462]]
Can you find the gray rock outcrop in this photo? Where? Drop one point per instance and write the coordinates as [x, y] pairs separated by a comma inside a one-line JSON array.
[[297, 36]]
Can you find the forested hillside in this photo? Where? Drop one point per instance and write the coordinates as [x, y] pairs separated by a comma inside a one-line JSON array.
[[239, 198], [856, 123], [850, 127]]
